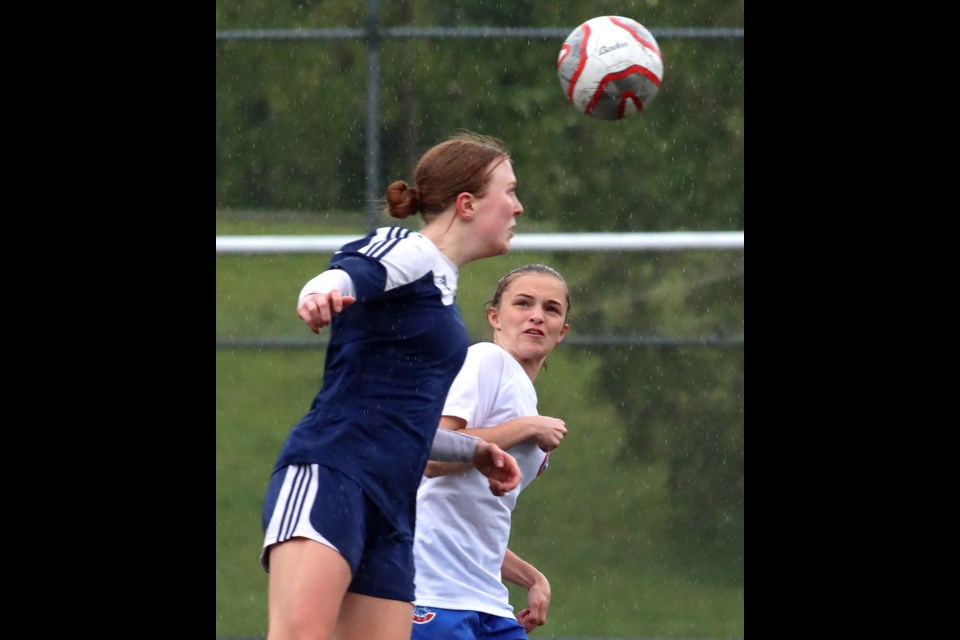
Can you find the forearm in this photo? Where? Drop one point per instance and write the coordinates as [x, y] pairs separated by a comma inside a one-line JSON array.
[[506, 434], [450, 444], [521, 573], [453, 446], [436, 469]]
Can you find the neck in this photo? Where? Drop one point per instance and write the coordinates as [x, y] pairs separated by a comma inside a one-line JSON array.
[[531, 367], [444, 233]]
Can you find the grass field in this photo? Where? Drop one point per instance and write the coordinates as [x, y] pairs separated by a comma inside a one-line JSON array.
[[596, 525]]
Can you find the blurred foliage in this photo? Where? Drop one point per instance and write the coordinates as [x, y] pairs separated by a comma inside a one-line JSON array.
[[291, 114], [291, 137]]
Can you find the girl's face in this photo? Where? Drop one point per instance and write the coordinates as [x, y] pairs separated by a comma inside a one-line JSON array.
[[531, 319], [495, 211]]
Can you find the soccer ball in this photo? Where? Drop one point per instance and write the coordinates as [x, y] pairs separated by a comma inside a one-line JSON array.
[[610, 67]]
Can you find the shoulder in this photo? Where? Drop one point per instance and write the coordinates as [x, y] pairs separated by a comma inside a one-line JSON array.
[[404, 256], [381, 242], [487, 350], [488, 355], [404, 249]]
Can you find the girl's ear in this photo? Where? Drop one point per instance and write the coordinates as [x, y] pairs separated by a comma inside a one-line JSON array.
[[493, 318], [465, 203]]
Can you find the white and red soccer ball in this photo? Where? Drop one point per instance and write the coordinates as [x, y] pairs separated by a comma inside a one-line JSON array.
[[610, 67]]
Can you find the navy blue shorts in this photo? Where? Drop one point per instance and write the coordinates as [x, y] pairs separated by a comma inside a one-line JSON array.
[[432, 623], [317, 502]]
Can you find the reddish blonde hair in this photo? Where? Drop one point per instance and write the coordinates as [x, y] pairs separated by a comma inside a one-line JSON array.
[[462, 162]]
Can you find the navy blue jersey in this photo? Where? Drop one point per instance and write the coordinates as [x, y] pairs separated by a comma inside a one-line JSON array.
[[391, 359]]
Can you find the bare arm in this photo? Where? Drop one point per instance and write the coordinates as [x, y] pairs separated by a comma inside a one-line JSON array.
[[547, 432], [520, 572]]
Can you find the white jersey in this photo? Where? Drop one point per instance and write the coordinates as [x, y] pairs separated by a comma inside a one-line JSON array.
[[462, 529]]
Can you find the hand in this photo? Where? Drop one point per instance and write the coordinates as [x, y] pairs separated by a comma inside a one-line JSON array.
[[317, 309], [549, 431], [538, 602], [499, 466]]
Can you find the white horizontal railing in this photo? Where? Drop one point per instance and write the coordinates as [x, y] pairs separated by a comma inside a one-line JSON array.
[[652, 241]]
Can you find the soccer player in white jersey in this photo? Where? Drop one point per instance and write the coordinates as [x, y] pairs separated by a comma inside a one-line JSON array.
[[339, 511], [460, 548]]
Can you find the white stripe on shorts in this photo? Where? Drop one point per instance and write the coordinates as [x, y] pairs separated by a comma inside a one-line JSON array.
[[291, 515]]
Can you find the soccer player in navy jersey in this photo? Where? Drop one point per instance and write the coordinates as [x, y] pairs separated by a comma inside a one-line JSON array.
[[339, 510]]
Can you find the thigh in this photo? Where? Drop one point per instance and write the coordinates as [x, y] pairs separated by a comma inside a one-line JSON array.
[[368, 618], [308, 581]]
